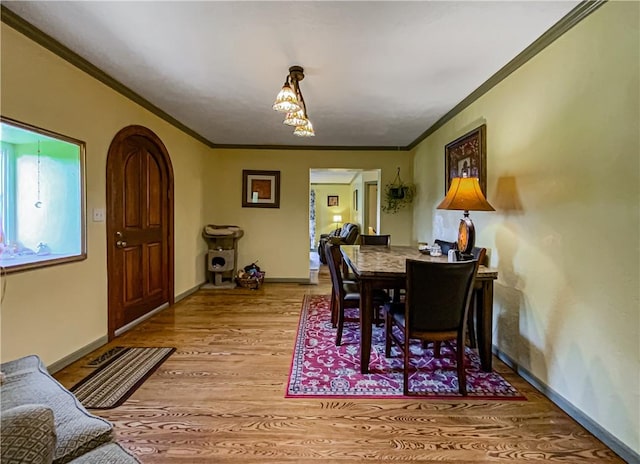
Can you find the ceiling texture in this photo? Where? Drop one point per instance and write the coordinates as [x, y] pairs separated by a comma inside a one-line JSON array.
[[377, 74]]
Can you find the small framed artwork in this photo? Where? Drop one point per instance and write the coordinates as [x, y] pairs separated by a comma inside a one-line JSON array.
[[466, 156], [355, 200], [260, 189], [332, 200]]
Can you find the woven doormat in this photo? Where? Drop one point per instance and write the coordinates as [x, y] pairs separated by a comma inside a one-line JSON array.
[[110, 385]]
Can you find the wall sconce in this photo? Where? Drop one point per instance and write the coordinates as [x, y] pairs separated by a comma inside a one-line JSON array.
[[291, 101]]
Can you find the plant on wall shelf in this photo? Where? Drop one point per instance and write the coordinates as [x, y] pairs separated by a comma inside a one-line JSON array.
[[397, 195]]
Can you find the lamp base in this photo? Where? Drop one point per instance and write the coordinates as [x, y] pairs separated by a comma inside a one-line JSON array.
[[464, 256], [466, 234]]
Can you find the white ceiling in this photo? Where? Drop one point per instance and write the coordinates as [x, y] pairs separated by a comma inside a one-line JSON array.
[[377, 73]]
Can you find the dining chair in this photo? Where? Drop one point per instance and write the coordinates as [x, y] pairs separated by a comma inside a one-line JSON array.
[[345, 295], [381, 240], [435, 309], [479, 254], [446, 246]]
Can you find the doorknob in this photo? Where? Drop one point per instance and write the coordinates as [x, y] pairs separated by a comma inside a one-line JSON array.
[[119, 242]]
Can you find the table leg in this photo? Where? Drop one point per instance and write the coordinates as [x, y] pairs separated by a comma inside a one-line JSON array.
[[366, 321], [484, 318]]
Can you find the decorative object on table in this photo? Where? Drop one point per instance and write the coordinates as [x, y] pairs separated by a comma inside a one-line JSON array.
[[260, 189], [291, 102], [333, 200], [465, 195], [466, 156], [110, 385], [320, 369], [222, 257], [250, 277], [397, 195], [435, 250]]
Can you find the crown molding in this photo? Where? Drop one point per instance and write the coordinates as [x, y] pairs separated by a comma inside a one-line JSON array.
[[310, 148], [27, 29], [581, 11]]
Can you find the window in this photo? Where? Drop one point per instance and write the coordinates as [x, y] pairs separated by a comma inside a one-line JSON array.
[[42, 219]]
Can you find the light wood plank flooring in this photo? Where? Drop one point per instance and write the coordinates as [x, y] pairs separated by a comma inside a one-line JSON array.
[[220, 399]]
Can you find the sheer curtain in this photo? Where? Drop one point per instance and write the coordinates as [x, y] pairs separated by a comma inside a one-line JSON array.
[[312, 219]]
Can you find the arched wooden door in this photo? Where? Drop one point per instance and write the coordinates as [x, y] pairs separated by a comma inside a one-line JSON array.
[[139, 226]]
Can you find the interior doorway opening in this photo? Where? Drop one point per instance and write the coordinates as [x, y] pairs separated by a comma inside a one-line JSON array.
[[338, 196]]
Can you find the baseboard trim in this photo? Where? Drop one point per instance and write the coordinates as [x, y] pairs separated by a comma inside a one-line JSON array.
[[73, 357], [85, 350], [594, 428], [191, 291], [285, 280], [132, 324]]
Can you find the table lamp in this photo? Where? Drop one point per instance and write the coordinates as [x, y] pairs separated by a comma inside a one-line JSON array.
[[337, 218], [466, 195]]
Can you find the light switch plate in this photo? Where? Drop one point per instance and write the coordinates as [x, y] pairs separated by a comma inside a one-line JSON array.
[[98, 215]]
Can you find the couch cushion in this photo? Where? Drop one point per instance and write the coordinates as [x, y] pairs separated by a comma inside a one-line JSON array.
[[27, 435], [27, 381]]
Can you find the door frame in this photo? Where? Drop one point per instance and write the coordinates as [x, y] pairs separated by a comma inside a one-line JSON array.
[[112, 274]]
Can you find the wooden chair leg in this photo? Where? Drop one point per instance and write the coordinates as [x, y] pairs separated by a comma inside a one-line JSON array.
[[340, 325], [471, 321], [405, 370], [436, 349], [388, 327], [462, 378], [334, 310]]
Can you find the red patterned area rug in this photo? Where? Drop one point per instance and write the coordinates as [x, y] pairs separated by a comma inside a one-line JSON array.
[[320, 369]]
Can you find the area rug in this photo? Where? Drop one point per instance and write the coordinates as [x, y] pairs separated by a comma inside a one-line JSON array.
[[112, 383], [106, 356], [320, 369]]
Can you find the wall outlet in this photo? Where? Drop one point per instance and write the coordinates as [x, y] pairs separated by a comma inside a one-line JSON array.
[[98, 215]]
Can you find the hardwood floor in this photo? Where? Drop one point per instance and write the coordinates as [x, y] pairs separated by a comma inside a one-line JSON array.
[[220, 398]]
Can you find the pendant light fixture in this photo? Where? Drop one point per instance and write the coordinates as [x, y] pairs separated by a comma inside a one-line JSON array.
[[291, 101]]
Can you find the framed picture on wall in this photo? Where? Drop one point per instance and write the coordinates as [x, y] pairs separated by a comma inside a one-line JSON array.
[[467, 156], [332, 200], [355, 200], [260, 189]]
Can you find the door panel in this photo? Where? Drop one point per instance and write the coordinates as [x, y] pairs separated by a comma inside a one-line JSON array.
[[154, 258], [155, 197], [140, 226], [132, 271], [132, 191]]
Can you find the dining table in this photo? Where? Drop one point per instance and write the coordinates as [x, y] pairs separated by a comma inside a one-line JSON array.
[[381, 267]]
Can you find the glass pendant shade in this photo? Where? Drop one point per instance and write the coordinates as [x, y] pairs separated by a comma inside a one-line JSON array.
[[286, 101], [296, 118], [305, 131]]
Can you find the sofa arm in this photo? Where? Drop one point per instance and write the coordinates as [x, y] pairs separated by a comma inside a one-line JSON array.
[[27, 435]]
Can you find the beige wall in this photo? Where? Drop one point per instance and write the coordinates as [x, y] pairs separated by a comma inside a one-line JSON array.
[[56, 311], [279, 238], [563, 174]]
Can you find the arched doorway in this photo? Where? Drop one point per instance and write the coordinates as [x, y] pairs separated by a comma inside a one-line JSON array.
[[140, 261]]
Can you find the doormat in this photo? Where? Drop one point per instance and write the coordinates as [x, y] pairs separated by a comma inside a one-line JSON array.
[[320, 369], [111, 384], [106, 356]]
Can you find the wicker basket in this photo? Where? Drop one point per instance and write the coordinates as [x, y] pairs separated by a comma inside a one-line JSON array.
[[252, 282]]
